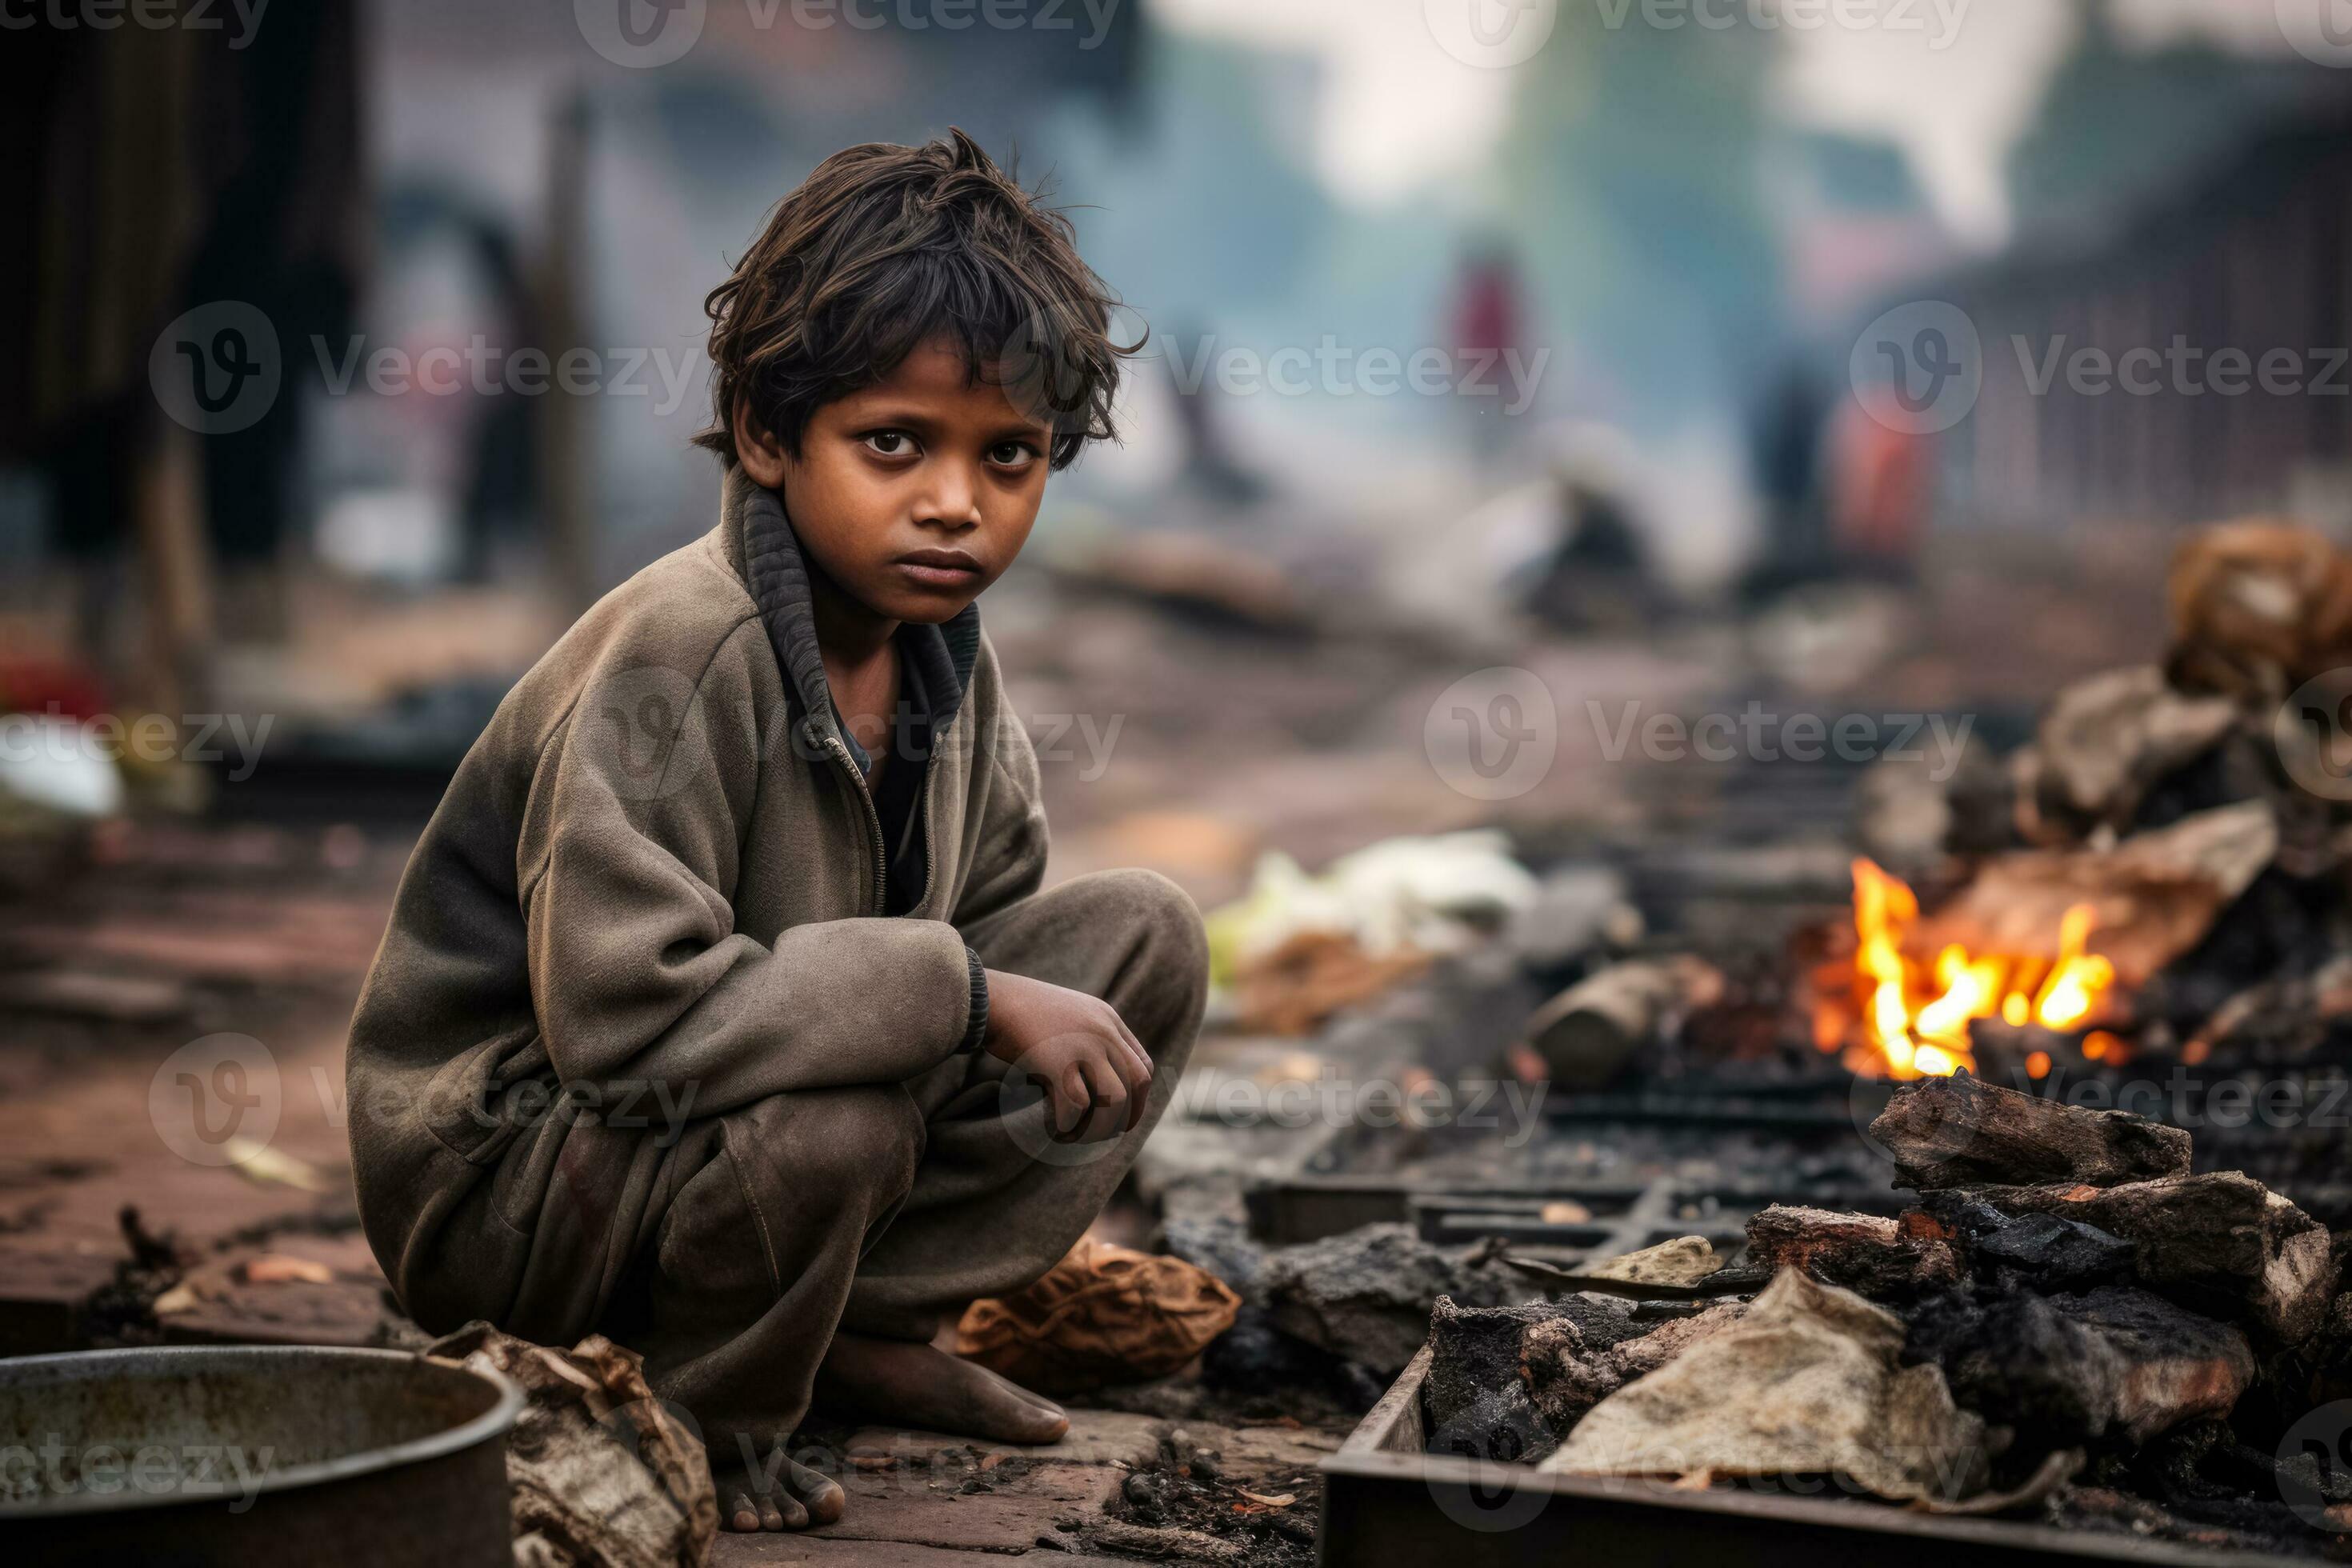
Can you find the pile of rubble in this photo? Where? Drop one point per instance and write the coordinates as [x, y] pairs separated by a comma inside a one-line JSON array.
[[2067, 1324], [2160, 797]]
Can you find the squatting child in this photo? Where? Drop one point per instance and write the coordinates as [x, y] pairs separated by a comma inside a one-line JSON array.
[[721, 1009]]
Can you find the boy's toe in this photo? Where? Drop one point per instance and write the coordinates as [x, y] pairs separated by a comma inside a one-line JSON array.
[[826, 1502]]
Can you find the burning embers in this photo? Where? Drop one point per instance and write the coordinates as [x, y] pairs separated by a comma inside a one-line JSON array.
[[1907, 1017]]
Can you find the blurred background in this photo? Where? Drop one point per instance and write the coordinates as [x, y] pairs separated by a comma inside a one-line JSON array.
[[1519, 375]]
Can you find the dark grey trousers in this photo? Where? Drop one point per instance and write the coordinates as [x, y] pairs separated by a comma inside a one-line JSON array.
[[883, 1208]]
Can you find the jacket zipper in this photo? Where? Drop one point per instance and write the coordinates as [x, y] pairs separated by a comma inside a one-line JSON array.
[[874, 825], [873, 822]]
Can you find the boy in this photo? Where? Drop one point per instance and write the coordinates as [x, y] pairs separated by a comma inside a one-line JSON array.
[[721, 1009]]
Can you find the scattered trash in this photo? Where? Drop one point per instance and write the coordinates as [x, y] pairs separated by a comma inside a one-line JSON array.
[[1296, 948], [1684, 1260], [1430, 895], [600, 1471], [1102, 1315], [2258, 609], [278, 1268], [256, 1161]]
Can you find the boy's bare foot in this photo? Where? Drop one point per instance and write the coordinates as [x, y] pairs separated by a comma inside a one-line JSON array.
[[794, 1498], [919, 1386]]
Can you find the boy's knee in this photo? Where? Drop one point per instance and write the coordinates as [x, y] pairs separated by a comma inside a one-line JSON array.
[[1165, 914], [1170, 962], [834, 1145]]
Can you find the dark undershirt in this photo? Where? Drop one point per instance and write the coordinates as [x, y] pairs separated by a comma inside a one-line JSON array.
[[900, 788]]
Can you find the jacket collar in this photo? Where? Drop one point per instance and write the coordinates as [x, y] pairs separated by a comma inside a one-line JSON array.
[[761, 537]]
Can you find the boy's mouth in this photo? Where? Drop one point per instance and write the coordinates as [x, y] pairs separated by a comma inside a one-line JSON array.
[[939, 568]]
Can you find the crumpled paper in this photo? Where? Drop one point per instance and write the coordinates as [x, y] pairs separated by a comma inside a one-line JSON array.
[[598, 1470], [1806, 1384], [1104, 1315]]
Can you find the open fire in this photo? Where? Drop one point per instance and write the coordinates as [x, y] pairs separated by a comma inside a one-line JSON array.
[[1908, 1016]]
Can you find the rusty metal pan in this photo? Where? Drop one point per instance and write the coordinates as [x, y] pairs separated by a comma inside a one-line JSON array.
[[204, 1455]]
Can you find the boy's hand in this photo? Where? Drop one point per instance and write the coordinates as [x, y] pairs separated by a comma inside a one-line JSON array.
[[1095, 1072]]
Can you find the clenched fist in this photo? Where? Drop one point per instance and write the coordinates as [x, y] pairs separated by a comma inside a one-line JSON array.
[[1094, 1074]]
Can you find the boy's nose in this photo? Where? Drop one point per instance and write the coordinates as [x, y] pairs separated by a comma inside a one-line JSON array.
[[952, 499]]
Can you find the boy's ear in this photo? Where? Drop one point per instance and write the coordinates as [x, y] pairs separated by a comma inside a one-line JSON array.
[[757, 448]]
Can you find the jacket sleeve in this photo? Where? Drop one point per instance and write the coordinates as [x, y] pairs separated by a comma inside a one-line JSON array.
[[628, 859], [1009, 848]]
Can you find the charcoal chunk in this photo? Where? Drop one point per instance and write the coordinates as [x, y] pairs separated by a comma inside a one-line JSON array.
[[2220, 1243], [1366, 1296], [2116, 1362], [2057, 1254], [1961, 1131], [1867, 1254]]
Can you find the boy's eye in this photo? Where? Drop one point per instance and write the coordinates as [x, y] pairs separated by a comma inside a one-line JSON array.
[[890, 443], [1011, 454]]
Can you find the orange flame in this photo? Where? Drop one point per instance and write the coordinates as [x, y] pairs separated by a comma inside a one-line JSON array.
[[1916, 1016]]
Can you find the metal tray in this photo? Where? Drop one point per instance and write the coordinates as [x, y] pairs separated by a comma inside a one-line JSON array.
[[1387, 1504]]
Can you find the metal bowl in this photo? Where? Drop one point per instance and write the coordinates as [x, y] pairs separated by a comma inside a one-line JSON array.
[[191, 1455]]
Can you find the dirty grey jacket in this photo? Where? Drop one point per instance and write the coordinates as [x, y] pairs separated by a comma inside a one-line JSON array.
[[654, 890]]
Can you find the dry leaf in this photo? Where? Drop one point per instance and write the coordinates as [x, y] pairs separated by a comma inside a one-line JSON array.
[[178, 1299], [1283, 1501], [256, 1161]]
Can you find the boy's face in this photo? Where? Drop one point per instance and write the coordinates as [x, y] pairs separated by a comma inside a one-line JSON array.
[[915, 493]]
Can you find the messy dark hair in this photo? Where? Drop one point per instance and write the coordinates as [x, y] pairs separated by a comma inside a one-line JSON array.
[[884, 247]]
